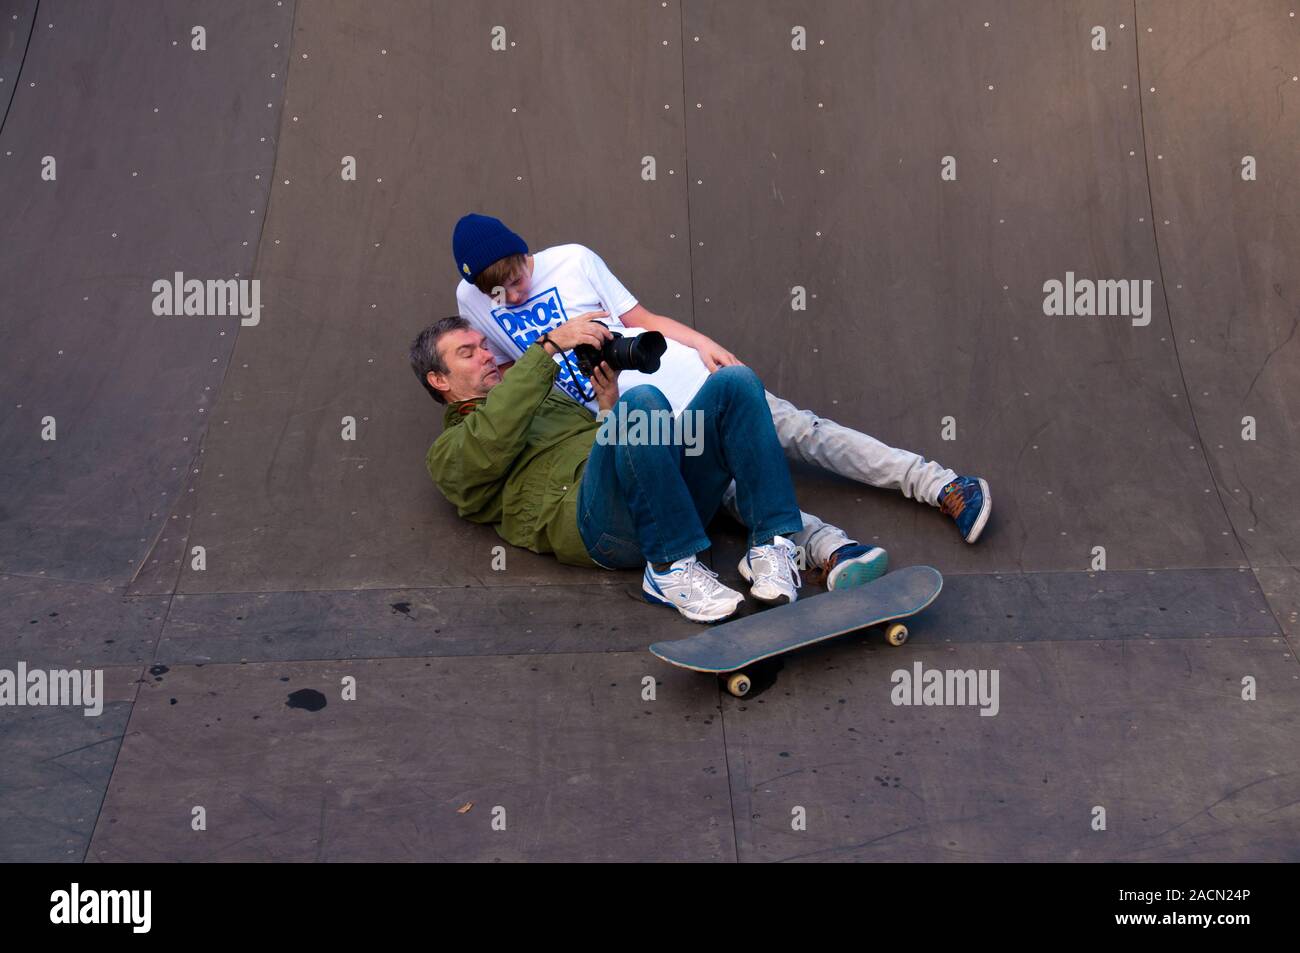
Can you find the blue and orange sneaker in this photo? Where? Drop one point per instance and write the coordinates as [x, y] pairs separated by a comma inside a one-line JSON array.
[[968, 501], [855, 565]]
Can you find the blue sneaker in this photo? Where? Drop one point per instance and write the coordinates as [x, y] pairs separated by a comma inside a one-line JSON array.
[[967, 500], [855, 565]]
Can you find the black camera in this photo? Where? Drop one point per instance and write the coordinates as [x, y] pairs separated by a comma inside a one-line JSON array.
[[639, 353]]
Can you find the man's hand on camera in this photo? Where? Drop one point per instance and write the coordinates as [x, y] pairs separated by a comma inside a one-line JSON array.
[[605, 382], [581, 330]]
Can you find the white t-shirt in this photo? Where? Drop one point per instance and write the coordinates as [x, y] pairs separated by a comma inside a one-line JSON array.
[[570, 280]]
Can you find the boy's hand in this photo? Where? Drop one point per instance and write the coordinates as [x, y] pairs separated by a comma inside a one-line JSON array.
[[605, 382], [714, 355]]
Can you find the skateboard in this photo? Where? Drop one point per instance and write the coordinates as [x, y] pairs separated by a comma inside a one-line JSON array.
[[726, 649]]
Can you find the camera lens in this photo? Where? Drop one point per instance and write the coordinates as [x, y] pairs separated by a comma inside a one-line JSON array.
[[640, 353]]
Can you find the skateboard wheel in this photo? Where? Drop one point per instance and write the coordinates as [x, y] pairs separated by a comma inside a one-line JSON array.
[[738, 684], [896, 634]]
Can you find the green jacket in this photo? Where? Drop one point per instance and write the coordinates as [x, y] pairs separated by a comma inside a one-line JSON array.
[[515, 459]]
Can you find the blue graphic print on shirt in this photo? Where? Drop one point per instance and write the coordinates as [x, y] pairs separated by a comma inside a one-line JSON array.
[[527, 322]]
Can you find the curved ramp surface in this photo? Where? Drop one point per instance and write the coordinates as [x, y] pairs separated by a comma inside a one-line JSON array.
[[867, 203]]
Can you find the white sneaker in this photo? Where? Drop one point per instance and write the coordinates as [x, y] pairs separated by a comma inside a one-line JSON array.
[[772, 572], [691, 588]]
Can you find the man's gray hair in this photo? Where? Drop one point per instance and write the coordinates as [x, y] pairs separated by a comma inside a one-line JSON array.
[[425, 356]]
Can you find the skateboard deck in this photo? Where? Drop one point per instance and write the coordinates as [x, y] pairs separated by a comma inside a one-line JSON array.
[[731, 646]]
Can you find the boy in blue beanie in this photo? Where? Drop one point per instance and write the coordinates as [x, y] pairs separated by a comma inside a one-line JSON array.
[[513, 298]]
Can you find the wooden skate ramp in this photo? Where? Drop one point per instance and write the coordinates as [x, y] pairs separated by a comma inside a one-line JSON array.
[[865, 202]]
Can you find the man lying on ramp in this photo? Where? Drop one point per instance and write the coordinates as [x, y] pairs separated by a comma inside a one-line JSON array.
[[517, 453]]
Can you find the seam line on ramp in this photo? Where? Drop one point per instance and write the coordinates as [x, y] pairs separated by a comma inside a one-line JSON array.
[[36, 15], [1164, 293]]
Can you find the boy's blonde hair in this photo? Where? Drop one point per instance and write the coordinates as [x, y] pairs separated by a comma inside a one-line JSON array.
[[500, 273]]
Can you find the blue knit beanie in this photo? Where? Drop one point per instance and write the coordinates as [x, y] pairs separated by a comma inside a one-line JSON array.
[[479, 240]]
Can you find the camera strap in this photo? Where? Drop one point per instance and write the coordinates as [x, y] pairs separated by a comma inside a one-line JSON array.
[[577, 378]]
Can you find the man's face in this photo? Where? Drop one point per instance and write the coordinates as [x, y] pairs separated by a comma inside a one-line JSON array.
[[471, 369], [517, 289]]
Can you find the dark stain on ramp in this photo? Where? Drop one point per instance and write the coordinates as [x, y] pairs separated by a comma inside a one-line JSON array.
[[307, 699]]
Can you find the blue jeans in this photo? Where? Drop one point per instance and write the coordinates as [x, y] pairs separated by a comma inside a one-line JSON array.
[[646, 501]]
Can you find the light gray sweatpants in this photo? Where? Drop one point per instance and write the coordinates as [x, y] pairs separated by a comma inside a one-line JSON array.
[[849, 453]]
